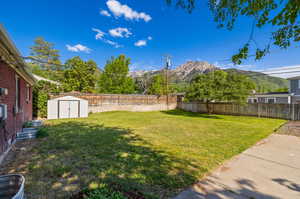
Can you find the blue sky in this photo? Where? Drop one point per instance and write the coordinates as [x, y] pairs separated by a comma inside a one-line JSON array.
[[140, 29]]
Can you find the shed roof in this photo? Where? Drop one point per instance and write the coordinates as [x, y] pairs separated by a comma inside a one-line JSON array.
[[68, 98]]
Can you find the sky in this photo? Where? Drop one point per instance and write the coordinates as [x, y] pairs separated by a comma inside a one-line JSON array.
[[143, 30]]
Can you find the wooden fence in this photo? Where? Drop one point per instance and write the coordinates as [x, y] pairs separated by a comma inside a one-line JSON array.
[[111, 102], [282, 111], [99, 99]]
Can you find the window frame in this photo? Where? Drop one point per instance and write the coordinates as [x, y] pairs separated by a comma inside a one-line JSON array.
[[18, 94], [28, 93]]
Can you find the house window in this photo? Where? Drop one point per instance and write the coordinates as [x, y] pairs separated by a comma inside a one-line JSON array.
[[271, 100], [18, 104], [27, 93]]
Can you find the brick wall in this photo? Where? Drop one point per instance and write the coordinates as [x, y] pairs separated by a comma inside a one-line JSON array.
[[14, 122]]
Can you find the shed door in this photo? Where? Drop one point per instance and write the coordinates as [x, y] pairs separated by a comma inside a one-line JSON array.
[[68, 109]]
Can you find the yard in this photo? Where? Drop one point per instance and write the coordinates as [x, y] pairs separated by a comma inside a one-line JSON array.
[[154, 154]]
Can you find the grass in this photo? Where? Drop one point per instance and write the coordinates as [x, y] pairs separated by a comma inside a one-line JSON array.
[[156, 154]]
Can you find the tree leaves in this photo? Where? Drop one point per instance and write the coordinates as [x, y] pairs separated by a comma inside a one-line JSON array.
[[219, 86], [80, 75], [283, 15], [115, 77]]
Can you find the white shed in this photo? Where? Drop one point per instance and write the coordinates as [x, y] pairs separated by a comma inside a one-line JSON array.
[[67, 107]]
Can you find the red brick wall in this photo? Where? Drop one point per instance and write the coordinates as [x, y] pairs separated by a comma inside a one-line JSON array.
[[14, 122]]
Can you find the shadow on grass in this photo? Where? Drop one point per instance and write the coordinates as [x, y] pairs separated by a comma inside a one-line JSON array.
[[179, 112], [77, 155]]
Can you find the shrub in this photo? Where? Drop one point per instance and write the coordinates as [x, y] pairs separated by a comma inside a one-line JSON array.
[[104, 193], [42, 132], [41, 93]]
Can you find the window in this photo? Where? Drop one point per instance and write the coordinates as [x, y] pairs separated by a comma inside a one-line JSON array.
[[271, 100], [18, 104], [299, 83], [252, 100], [27, 93]]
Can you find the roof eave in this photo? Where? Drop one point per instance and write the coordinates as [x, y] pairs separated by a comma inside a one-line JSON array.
[[11, 55]]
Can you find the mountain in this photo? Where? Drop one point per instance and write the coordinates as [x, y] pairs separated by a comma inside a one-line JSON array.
[[264, 83], [186, 72]]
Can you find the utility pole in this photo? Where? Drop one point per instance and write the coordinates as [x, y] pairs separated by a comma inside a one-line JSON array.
[[167, 59]]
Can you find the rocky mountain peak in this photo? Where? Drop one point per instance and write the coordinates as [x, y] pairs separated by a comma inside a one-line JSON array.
[[192, 67]]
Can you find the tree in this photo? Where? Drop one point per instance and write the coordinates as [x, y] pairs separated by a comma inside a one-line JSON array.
[[157, 85], [80, 75], [143, 83], [45, 59], [282, 15], [114, 78], [219, 86], [41, 91]]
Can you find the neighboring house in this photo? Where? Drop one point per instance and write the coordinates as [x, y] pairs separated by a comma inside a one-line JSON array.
[[291, 97], [271, 98], [15, 92]]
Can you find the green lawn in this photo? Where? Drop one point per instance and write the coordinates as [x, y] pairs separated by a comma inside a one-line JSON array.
[[154, 153]]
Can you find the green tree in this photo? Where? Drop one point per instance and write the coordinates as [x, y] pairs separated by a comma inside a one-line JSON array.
[[115, 79], [80, 75], [219, 86], [45, 60], [41, 91], [157, 85], [282, 15]]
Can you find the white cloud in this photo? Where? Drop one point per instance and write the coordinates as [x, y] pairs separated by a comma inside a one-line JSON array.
[[105, 13], [78, 48], [150, 38], [120, 32], [123, 10], [100, 34], [140, 43], [112, 43]]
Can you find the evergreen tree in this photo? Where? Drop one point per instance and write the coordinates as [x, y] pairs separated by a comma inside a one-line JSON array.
[[115, 79], [45, 60]]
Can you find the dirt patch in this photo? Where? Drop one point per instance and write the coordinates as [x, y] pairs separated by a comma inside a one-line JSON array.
[[18, 158]]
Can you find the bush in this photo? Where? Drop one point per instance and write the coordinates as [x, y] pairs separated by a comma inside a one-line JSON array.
[[42, 132], [27, 125], [104, 193], [41, 93]]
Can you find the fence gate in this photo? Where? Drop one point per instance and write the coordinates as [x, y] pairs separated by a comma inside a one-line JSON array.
[[68, 109]]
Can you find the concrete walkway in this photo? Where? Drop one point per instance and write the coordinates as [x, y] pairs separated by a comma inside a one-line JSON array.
[[269, 170]]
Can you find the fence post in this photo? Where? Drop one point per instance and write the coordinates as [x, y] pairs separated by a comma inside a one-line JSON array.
[[293, 112]]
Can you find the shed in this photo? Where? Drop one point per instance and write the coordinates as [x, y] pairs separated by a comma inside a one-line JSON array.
[[67, 107]]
